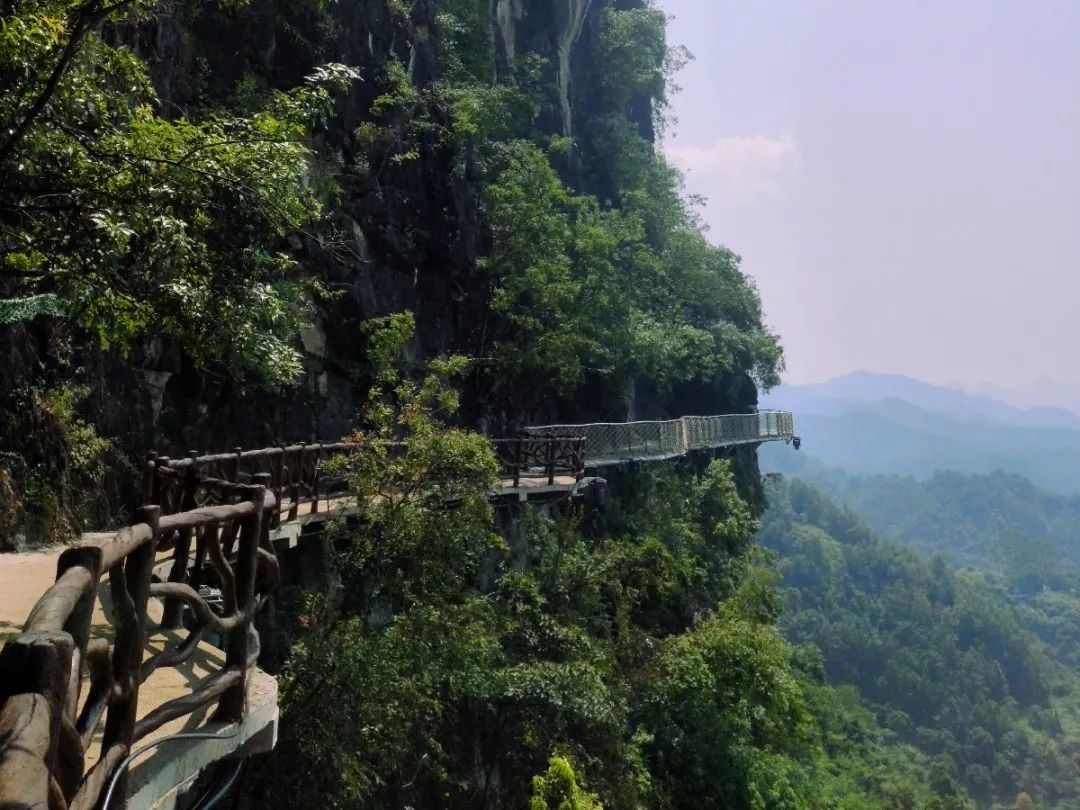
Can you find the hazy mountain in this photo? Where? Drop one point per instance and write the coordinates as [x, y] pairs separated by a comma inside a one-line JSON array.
[[891, 424], [1044, 392], [897, 437], [864, 388]]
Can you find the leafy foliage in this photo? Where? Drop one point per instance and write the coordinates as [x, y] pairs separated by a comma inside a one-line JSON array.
[[725, 709], [583, 292], [453, 674], [14, 310], [131, 224], [946, 660], [558, 789], [998, 522], [55, 453]]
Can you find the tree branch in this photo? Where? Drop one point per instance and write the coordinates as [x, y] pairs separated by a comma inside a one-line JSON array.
[[87, 16]]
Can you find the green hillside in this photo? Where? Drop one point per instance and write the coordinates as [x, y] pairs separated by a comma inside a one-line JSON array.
[[950, 664]]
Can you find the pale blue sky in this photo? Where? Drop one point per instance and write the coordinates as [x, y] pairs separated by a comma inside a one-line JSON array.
[[902, 179]]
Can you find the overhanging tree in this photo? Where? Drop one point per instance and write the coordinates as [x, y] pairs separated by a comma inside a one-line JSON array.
[[126, 223]]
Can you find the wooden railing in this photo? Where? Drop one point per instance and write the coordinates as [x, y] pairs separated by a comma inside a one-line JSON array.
[[546, 457], [297, 474], [58, 682]]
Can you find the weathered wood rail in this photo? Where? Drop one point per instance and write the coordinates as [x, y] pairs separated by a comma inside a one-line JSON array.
[[58, 683], [297, 474], [546, 457], [294, 474]]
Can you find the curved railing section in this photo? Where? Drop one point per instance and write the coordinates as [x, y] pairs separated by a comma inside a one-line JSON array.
[[60, 682], [615, 442], [545, 458], [296, 474]]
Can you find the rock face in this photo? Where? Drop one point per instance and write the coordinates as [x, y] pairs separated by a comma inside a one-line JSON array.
[[414, 226]]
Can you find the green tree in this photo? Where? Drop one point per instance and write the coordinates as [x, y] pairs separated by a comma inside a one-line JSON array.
[[947, 659], [725, 712], [558, 789], [401, 645], [129, 224]]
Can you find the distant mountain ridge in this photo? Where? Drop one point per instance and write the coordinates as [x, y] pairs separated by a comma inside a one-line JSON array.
[[841, 394], [889, 424], [1044, 391]]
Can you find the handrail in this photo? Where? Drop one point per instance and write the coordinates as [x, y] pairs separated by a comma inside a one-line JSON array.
[[295, 477], [296, 474], [616, 442], [546, 457], [559, 428], [51, 711]]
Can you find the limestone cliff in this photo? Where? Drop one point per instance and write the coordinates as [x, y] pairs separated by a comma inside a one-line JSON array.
[[413, 227]]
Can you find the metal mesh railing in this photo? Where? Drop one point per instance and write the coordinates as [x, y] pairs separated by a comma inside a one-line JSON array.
[[608, 442]]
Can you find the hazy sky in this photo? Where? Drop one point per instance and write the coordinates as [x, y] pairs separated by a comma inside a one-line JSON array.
[[902, 179]]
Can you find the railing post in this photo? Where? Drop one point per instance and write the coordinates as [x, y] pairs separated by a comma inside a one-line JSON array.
[[158, 496], [69, 770], [149, 478], [278, 477], [129, 585], [517, 462], [173, 609], [550, 462], [282, 481], [231, 705], [300, 472], [294, 489], [317, 480], [25, 721], [193, 457], [267, 524], [39, 663], [237, 456]]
